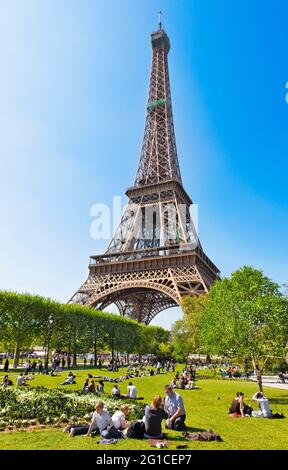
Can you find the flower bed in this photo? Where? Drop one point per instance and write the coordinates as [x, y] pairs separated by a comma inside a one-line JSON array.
[[23, 408]]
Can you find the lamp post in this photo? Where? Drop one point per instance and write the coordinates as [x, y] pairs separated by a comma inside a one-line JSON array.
[[50, 323]]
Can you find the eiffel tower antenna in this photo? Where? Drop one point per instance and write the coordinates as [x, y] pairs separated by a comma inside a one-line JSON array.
[[159, 19], [154, 257]]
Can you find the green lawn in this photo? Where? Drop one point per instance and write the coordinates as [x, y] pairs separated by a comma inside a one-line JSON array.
[[206, 408]]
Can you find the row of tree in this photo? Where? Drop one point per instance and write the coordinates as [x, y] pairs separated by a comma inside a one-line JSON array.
[[27, 320], [243, 317]]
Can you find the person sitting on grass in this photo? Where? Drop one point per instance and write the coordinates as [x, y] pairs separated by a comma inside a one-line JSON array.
[[100, 387], [91, 387], [236, 409], [154, 414], [132, 391], [70, 380], [6, 381], [181, 384], [191, 385], [85, 385], [102, 420], [115, 392], [173, 383], [174, 406], [119, 418], [21, 380], [264, 408]]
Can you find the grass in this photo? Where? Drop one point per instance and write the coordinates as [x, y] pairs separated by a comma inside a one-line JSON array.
[[206, 408]]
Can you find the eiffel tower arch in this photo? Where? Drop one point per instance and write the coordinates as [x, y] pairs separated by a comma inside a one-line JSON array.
[[155, 256]]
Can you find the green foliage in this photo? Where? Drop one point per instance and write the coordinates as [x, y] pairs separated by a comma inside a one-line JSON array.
[[46, 405], [186, 332], [206, 408], [247, 317], [29, 319]]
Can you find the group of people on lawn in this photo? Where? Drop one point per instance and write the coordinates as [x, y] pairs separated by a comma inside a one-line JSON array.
[[99, 389], [239, 409], [171, 409], [186, 380]]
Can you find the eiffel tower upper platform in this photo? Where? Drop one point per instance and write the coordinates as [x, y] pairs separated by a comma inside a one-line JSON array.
[[155, 256]]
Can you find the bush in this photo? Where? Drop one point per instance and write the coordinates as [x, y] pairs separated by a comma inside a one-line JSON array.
[[46, 405]]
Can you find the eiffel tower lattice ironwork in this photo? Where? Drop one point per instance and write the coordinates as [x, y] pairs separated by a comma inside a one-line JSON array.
[[155, 257]]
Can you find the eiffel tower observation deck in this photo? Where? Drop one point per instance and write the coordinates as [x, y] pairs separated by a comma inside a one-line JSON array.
[[155, 256]]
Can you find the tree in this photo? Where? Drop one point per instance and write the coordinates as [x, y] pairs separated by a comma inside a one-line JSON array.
[[29, 319], [20, 319], [246, 316], [186, 332]]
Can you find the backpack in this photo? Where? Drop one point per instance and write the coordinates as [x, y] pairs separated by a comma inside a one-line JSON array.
[[136, 430], [247, 410]]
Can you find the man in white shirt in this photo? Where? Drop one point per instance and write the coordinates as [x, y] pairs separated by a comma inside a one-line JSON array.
[[20, 380], [102, 420], [132, 392]]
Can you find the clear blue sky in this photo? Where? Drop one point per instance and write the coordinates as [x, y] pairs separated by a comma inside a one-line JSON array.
[[73, 90]]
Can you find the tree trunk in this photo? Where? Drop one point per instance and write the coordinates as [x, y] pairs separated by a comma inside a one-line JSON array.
[[245, 366], [16, 356], [74, 353], [95, 352], [112, 348], [74, 363], [258, 375]]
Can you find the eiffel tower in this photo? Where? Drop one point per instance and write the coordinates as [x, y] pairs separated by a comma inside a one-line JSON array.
[[155, 257]]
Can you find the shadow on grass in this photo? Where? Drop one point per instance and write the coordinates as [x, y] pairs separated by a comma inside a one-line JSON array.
[[279, 400]]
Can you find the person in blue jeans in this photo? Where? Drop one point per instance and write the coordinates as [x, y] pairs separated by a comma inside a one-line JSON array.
[[102, 420]]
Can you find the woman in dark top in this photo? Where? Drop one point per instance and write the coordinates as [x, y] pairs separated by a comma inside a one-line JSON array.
[[154, 414], [91, 387], [237, 406]]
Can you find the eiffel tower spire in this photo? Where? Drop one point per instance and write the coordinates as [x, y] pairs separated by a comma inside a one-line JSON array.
[[155, 257], [159, 161]]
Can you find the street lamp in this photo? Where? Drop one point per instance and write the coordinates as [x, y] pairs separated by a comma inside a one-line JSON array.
[[49, 333]]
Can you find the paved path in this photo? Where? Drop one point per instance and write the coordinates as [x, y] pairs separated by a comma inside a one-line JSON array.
[[271, 381], [276, 385]]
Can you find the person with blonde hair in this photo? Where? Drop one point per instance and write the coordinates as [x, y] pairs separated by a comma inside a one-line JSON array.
[[102, 420], [154, 414], [119, 417]]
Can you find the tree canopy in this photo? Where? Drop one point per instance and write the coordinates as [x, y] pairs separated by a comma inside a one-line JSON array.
[[246, 316], [27, 320]]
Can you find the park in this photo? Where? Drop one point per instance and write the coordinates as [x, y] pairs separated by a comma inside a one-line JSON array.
[[207, 408], [161, 325]]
